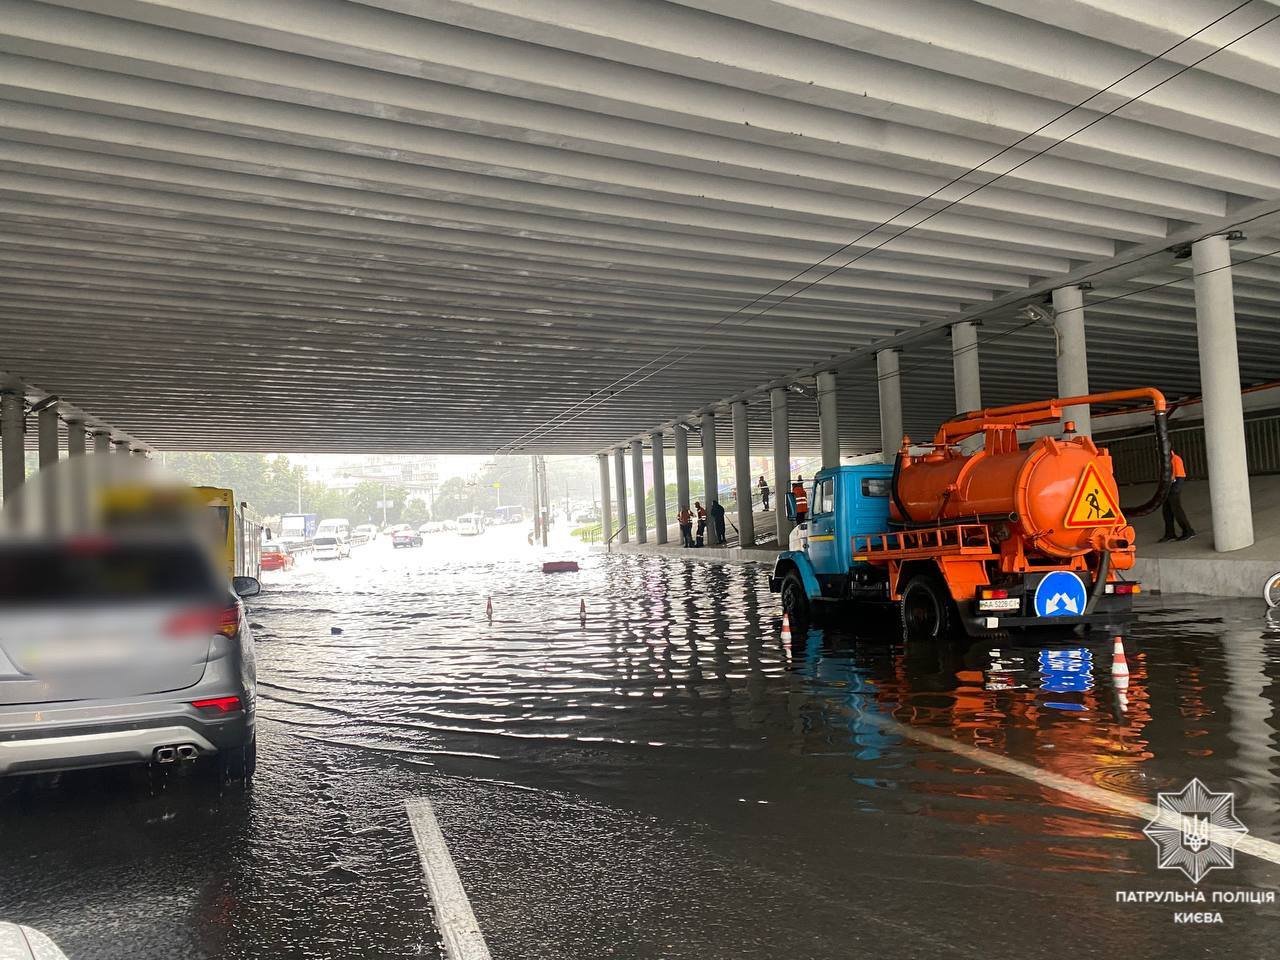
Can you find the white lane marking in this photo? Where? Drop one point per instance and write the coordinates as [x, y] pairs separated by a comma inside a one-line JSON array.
[[1138, 809], [458, 927]]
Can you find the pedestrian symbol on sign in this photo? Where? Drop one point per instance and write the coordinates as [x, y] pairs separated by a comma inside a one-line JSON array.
[[1093, 504]]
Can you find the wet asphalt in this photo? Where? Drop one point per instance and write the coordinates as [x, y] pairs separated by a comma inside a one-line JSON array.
[[667, 778]]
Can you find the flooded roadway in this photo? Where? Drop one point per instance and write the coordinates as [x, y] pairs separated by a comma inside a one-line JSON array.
[[666, 779]]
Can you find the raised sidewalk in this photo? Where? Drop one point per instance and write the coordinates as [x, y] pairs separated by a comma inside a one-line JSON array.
[[1191, 567]]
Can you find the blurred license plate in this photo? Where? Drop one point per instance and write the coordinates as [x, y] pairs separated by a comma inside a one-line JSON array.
[[1011, 603]]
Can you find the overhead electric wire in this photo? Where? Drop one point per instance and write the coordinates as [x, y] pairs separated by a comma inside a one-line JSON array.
[[1093, 303], [552, 423]]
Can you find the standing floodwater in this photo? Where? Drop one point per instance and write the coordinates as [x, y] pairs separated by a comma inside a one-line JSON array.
[[663, 779]]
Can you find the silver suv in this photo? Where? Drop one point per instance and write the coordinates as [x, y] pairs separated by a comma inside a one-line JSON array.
[[123, 650]]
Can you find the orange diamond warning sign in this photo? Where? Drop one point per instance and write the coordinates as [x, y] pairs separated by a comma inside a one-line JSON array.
[[1093, 505]]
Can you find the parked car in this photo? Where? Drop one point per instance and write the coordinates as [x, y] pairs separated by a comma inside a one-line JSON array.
[[406, 538], [366, 532], [121, 650], [332, 548], [276, 556]]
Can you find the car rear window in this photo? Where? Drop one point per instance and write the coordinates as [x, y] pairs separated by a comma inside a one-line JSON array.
[[69, 573], [325, 541]]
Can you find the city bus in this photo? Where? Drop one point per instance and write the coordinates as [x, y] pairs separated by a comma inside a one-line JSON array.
[[237, 532], [510, 514]]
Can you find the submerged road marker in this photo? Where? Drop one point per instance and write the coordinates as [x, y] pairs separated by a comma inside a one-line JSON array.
[[457, 922]]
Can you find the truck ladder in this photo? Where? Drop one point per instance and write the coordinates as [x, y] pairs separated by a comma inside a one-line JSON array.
[[969, 540]]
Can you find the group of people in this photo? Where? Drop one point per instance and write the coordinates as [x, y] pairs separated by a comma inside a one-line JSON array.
[[715, 514], [687, 516]]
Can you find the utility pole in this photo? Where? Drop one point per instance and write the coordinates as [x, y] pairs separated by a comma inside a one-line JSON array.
[[546, 497], [299, 494]]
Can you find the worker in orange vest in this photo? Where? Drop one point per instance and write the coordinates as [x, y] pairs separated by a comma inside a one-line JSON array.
[[1173, 504], [685, 519], [801, 498], [702, 523]]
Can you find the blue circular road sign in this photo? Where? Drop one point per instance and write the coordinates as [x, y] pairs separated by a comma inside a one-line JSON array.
[[1061, 594]]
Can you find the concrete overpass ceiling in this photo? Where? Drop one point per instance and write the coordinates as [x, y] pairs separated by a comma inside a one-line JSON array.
[[465, 226]]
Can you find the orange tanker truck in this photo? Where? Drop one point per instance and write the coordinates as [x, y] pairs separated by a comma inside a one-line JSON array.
[[1010, 535]]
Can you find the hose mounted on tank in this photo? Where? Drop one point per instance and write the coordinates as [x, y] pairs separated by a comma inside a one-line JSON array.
[[1164, 454]]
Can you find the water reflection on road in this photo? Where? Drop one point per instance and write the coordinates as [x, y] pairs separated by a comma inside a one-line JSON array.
[[589, 770]]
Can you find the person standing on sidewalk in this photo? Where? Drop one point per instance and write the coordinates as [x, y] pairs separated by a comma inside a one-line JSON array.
[[685, 518], [717, 517], [801, 499], [763, 484], [1172, 508], [702, 522]]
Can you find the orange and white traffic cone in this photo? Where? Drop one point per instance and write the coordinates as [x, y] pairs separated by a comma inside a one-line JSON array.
[[488, 609], [1119, 665], [786, 627]]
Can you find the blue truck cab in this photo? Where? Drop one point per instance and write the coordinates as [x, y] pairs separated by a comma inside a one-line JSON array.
[[818, 564]]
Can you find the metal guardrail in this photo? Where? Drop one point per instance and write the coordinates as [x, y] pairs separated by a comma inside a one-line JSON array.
[[1136, 461]]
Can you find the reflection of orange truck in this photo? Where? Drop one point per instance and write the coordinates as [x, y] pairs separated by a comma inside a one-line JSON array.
[[981, 530]]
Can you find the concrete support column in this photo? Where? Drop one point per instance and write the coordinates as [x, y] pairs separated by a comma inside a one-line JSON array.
[[47, 422], [710, 481], [620, 477], [890, 403], [828, 419], [101, 441], [781, 461], [78, 489], [964, 365], [13, 432], [1073, 357], [682, 466], [637, 490], [606, 504], [1220, 386], [657, 442], [77, 437], [120, 446], [742, 475]]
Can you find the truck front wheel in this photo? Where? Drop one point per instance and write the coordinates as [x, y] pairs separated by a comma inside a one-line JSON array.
[[925, 608], [795, 600]]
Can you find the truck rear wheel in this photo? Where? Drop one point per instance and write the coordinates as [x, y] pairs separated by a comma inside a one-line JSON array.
[[795, 600], [925, 608]]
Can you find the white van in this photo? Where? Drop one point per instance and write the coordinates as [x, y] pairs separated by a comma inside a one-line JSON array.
[[335, 527], [470, 524]]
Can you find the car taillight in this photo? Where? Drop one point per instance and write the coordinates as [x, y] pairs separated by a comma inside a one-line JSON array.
[[217, 704], [206, 620], [229, 620], [995, 594]]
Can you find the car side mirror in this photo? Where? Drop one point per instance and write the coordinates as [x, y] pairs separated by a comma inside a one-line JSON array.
[[246, 587]]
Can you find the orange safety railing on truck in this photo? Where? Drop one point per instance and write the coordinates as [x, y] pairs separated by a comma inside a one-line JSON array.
[[964, 539]]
